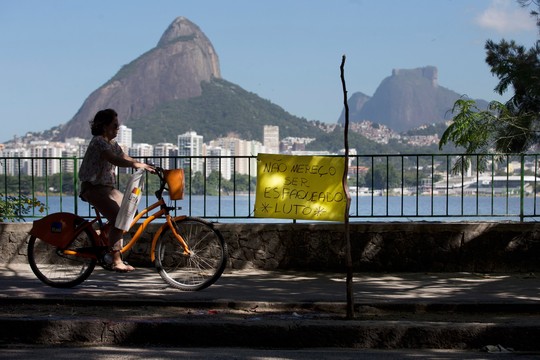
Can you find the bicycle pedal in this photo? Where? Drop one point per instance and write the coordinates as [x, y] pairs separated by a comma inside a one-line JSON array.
[[105, 260]]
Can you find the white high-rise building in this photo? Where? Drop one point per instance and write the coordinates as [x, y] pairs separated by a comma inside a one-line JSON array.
[[218, 159], [76, 142], [252, 148], [75, 147], [142, 151], [124, 138], [164, 154], [16, 163], [271, 139], [230, 144], [190, 145], [242, 150], [53, 154]]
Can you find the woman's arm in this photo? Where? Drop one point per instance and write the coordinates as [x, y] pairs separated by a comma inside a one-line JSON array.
[[124, 160]]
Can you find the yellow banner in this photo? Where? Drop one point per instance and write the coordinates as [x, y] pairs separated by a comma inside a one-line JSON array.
[[300, 187]]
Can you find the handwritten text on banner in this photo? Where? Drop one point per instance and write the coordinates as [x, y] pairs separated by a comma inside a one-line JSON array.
[[300, 187]]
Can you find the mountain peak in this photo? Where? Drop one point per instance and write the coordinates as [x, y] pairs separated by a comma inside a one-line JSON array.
[[180, 28], [429, 72], [405, 100]]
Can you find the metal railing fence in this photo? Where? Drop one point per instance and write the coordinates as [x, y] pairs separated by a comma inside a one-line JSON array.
[[382, 187]]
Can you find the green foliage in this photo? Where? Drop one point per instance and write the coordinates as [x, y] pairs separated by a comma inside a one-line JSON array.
[[382, 176], [233, 110], [519, 69], [471, 127], [478, 132], [14, 208], [214, 184], [26, 184], [505, 128], [241, 183], [196, 185], [391, 173]]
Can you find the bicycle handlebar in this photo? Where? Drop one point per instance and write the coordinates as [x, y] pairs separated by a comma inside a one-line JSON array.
[[159, 171]]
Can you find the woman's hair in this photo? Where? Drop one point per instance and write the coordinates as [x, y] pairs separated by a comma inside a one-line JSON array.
[[102, 119]]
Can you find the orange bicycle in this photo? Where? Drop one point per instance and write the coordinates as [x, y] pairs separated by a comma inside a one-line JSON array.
[[188, 252]]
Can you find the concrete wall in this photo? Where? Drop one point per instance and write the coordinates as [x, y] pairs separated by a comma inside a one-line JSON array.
[[379, 247]]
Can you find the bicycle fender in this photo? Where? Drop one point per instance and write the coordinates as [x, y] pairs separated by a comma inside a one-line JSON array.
[[57, 229]]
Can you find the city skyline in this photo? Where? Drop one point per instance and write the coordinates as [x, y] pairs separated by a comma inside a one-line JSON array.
[[224, 146], [190, 148]]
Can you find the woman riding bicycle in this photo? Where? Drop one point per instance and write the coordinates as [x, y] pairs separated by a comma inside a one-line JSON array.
[[98, 180]]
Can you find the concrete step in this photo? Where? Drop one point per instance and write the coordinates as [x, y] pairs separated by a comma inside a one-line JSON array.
[[375, 326]]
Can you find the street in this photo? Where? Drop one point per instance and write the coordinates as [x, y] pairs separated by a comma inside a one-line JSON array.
[[125, 353]]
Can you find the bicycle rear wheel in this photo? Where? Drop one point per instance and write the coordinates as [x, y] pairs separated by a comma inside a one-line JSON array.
[[203, 266], [55, 268]]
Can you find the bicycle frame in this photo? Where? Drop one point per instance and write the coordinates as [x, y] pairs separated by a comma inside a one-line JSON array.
[[164, 210]]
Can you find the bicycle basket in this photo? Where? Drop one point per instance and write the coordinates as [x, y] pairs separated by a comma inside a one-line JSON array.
[[175, 181]]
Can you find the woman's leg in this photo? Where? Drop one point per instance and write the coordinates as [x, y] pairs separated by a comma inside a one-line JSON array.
[[115, 240], [107, 201]]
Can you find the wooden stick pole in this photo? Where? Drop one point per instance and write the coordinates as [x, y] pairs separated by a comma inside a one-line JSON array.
[[349, 282]]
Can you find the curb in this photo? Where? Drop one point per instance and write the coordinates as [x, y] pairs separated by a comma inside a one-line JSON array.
[[278, 333], [334, 307], [102, 322]]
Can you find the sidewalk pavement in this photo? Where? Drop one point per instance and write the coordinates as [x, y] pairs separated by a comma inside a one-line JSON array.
[[284, 287], [282, 309]]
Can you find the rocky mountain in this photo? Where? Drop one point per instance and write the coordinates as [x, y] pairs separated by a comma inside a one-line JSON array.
[[173, 70], [405, 100]]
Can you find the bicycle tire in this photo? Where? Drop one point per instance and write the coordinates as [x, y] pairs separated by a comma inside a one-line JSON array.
[[56, 269], [205, 264]]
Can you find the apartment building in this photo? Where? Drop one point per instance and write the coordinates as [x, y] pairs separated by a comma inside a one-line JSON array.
[[190, 145]]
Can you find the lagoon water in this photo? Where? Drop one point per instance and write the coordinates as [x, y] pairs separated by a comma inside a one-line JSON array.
[[363, 208]]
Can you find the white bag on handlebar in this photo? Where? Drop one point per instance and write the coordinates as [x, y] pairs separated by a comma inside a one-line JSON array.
[[130, 202]]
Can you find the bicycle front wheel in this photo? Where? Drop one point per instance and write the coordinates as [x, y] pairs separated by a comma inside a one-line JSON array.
[[207, 259], [54, 267]]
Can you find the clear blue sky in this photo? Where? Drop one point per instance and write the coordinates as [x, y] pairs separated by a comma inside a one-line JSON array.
[[54, 53]]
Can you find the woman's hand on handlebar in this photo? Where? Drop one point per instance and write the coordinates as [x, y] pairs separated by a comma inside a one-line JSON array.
[[147, 167]]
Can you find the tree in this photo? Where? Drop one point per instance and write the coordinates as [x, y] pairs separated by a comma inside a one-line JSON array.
[[382, 176], [513, 127], [197, 184], [245, 182], [16, 207], [214, 183]]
